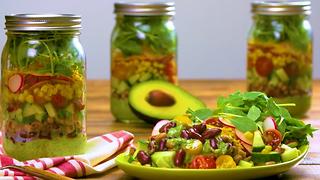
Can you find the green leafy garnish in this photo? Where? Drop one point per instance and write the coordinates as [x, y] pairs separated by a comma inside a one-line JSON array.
[[244, 124], [199, 115], [247, 111], [133, 35], [46, 53]]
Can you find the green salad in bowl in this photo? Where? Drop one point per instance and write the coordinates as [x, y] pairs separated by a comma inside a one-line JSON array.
[[245, 130]]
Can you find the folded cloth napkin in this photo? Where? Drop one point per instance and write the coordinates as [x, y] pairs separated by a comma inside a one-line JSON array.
[[99, 157]]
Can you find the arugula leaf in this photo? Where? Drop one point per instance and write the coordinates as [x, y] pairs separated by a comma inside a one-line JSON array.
[[200, 114], [252, 95], [248, 111], [254, 113], [273, 107], [244, 124]]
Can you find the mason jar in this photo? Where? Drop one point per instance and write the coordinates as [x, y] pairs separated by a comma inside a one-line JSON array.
[[143, 47], [43, 86], [279, 56]]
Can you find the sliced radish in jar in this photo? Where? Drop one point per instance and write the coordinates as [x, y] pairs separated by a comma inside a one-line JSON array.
[[242, 137], [156, 128], [269, 123], [15, 82], [226, 122], [247, 147]]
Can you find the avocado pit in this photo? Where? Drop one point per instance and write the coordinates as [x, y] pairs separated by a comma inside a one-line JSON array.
[[160, 98]]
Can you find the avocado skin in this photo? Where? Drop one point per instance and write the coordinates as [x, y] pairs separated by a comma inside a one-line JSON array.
[[147, 119]]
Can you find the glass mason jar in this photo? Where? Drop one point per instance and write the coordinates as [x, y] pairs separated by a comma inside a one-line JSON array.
[[279, 56], [43, 86], [143, 47]]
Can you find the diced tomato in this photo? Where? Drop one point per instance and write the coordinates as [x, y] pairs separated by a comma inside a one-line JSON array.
[[264, 66], [272, 137], [203, 162], [13, 106], [58, 101]]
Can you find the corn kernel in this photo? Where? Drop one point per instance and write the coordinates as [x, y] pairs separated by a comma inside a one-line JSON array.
[[21, 98], [29, 98], [248, 135], [44, 88]]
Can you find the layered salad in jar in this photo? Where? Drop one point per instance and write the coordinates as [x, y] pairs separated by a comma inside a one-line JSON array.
[[43, 97], [279, 60], [143, 48]]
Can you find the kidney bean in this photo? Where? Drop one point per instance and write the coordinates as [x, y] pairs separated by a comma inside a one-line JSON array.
[[200, 128], [193, 134], [152, 147], [143, 157], [214, 121], [179, 157], [185, 134], [162, 145], [211, 133], [213, 143], [165, 128]]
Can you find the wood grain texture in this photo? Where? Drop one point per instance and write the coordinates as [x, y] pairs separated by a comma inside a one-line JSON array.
[[100, 121]]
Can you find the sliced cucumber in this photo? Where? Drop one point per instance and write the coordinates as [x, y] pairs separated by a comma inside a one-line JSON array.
[[289, 153], [262, 158]]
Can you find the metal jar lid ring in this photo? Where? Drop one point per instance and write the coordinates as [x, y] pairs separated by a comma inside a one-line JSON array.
[[145, 9], [281, 7], [42, 22]]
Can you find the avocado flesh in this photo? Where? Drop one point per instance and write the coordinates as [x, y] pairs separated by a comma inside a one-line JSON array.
[[258, 144], [139, 94], [163, 159]]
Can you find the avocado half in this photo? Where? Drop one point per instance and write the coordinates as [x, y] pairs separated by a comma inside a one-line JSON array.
[[155, 100]]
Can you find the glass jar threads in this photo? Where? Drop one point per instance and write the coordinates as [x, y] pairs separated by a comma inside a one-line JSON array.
[[43, 86], [279, 56], [143, 47]]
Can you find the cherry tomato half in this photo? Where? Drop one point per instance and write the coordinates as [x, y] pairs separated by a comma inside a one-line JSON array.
[[203, 162], [264, 66], [272, 137]]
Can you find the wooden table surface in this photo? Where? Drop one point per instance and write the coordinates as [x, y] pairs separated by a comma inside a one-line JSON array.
[[100, 121]]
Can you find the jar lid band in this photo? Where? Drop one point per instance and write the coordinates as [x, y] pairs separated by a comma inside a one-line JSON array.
[[281, 7], [145, 9], [42, 22]]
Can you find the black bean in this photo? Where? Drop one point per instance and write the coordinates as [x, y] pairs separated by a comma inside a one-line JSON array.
[[152, 147], [200, 128], [213, 143], [143, 157], [165, 128], [162, 145], [185, 134], [179, 157], [211, 133]]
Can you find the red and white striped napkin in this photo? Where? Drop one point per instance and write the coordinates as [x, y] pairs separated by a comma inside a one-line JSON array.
[[100, 157]]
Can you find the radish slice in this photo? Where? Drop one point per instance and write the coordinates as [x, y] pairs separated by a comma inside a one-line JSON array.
[[156, 128], [269, 123], [243, 138], [247, 147], [15, 82], [226, 122]]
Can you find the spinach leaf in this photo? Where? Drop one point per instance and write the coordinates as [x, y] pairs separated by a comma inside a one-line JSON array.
[[244, 124]]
